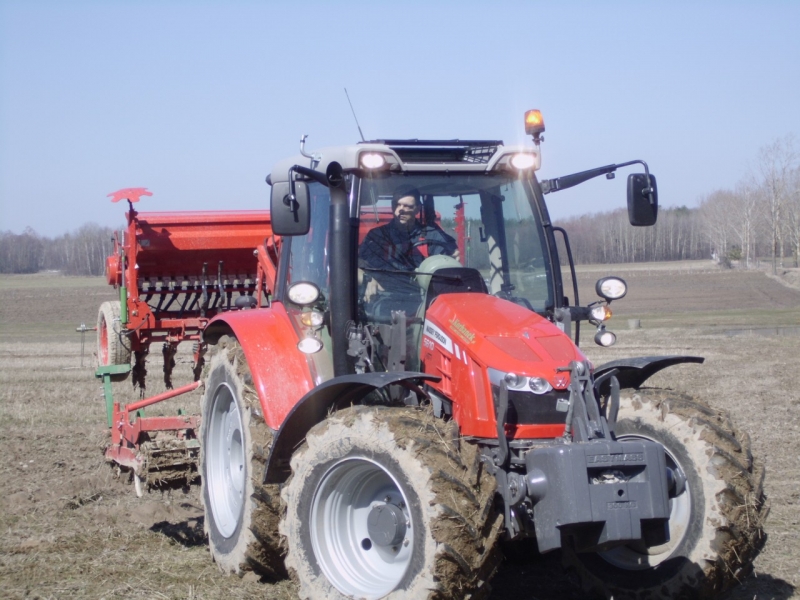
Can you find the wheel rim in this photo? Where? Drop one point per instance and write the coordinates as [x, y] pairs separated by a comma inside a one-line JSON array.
[[637, 557], [354, 559], [225, 470]]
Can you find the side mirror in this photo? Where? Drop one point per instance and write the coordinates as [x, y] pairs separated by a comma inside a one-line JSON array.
[[642, 200], [290, 215]]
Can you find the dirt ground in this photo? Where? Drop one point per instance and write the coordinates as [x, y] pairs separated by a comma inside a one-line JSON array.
[[69, 528]]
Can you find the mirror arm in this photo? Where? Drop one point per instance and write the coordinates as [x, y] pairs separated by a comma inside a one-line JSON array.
[[310, 173], [568, 181]]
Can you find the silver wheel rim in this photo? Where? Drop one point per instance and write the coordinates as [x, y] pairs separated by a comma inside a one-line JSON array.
[[637, 557], [355, 564], [225, 470]]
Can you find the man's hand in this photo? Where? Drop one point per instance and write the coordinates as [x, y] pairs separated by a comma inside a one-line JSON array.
[[457, 255], [373, 287]]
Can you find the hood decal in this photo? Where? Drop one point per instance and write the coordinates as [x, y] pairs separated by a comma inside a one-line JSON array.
[[438, 336]]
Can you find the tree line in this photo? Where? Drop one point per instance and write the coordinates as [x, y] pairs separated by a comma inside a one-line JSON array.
[[82, 252], [757, 219]]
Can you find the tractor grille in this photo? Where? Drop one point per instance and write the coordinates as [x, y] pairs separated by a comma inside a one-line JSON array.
[[527, 408]]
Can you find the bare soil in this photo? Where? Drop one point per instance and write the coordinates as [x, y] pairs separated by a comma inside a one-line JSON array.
[[70, 528]]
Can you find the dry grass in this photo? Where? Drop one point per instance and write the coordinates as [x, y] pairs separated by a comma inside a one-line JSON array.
[[70, 529]]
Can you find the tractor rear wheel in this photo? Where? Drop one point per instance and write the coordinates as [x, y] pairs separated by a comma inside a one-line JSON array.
[[112, 347], [383, 502], [241, 514], [716, 521]]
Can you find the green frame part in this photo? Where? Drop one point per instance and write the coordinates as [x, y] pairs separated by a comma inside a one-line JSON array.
[[105, 374], [123, 305]]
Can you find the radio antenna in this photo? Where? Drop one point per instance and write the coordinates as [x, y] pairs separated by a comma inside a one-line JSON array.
[[354, 115]]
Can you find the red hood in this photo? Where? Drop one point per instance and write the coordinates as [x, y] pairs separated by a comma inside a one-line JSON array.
[[503, 335]]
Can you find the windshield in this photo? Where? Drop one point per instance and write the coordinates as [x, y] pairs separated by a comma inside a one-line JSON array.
[[478, 221]]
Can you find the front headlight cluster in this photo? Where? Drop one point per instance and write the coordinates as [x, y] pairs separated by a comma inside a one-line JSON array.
[[520, 383]]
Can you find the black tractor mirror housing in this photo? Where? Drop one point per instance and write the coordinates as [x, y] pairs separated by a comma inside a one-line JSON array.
[[642, 199], [290, 212]]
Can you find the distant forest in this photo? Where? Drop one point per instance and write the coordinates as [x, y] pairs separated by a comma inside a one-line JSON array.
[[757, 219]]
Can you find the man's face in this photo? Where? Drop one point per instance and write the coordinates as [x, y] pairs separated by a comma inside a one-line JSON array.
[[405, 212]]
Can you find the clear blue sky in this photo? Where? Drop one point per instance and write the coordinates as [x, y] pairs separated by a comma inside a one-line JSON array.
[[197, 100]]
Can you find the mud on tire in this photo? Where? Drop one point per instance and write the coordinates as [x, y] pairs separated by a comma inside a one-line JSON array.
[[385, 502], [715, 525], [241, 514]]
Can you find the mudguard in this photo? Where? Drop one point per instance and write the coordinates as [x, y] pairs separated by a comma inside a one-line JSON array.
[[633, 372], [334, 394], [280, 371]]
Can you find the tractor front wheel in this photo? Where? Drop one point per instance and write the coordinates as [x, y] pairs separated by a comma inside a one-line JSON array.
[[383, 502], [716, 518], [241, 514], [113, 348]]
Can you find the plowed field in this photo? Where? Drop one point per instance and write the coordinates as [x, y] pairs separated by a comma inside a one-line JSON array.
[[71, 528]]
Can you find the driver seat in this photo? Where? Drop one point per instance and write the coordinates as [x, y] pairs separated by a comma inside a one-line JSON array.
[[455, 280]]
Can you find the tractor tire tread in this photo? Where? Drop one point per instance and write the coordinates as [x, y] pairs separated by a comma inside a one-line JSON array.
[[735, 506], [262, 552], [465, 531]]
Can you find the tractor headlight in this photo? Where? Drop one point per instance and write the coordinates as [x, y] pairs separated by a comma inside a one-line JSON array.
[[523, 160], [539, 385], [309, 345], [303, 293], [520, 383], [373, 160], [611, 288], [605, 338]]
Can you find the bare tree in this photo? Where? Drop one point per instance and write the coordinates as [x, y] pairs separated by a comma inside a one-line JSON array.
[[744, 206], [775, 163], [793, 210]]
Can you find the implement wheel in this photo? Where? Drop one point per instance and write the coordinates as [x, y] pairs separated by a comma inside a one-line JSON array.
[[113, 348], [241, 518], [716, 520], [383, 503]]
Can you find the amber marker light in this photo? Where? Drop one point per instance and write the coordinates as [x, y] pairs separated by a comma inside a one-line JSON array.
[[601, 313], [534, 123], [312, 319]]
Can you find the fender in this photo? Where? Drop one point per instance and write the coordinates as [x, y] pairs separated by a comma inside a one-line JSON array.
[[334, 394], [280, 371], [633, 372]]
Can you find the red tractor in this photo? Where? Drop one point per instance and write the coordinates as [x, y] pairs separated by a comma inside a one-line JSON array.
[[393, 385]]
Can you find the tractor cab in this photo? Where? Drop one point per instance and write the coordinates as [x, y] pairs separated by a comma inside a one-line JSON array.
[[376, 231], [417, 231]]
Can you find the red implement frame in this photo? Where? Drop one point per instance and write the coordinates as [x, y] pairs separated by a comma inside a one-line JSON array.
[[177, 270], [127, 432]]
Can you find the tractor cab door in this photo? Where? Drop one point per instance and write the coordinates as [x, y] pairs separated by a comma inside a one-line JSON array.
[[306, 269]]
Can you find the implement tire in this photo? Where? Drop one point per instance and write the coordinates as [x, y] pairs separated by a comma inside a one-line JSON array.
[[385, 503], [716, 524], [241, 514], [113, 348]]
